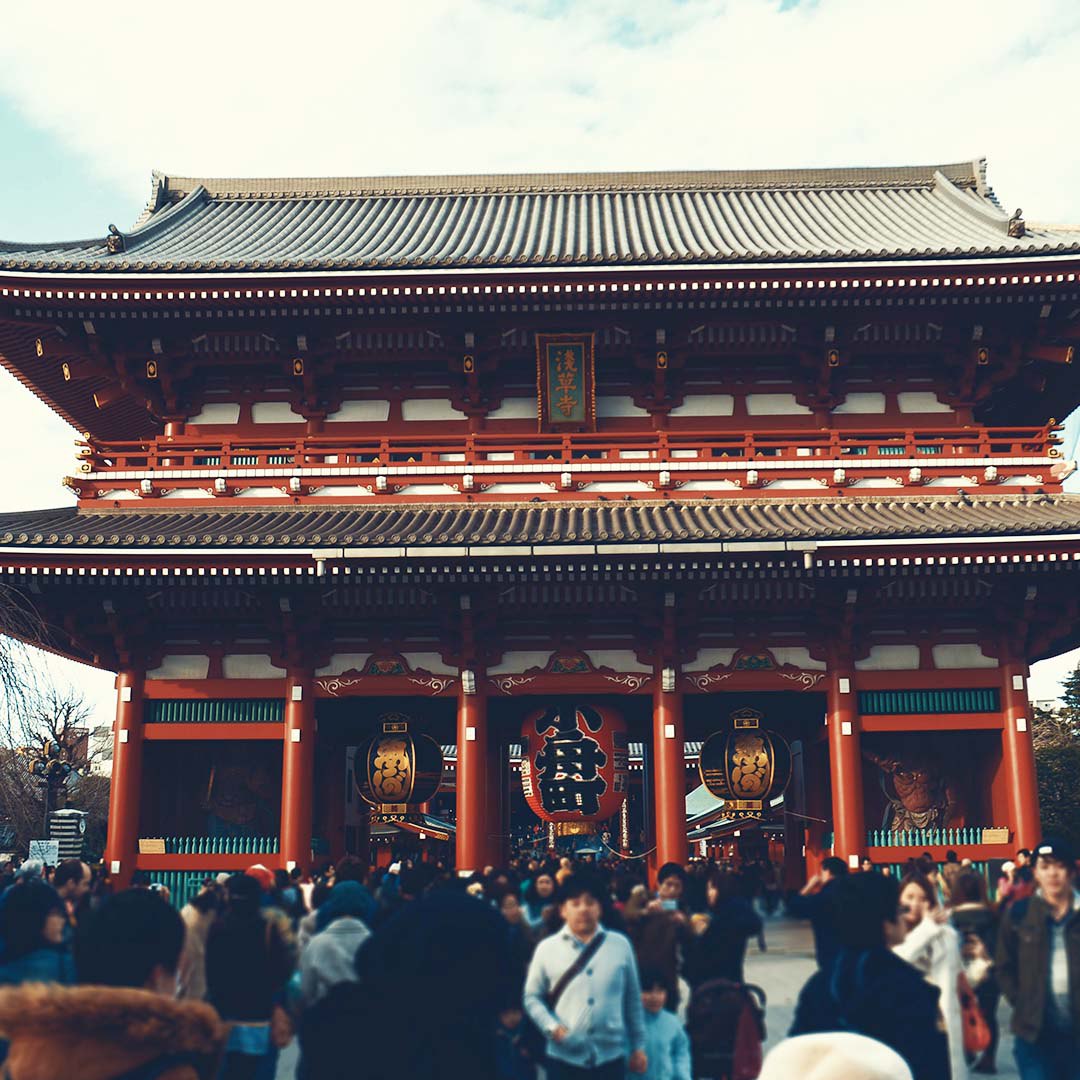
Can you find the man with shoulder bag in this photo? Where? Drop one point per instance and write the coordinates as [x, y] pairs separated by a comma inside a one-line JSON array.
[[584, 994]]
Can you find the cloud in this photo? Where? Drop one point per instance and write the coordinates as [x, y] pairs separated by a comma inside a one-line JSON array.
[[440, 86], [362, 88]]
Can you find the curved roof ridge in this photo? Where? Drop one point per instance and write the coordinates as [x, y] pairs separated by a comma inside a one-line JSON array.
[[167, 187]]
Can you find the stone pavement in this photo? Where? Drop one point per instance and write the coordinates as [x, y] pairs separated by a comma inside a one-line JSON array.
[[788, 962], [781, 972]]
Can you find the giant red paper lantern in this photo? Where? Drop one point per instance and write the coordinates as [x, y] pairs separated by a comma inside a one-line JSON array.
[[574, 769]]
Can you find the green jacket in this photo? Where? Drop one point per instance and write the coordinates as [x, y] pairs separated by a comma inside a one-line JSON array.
[[1023, 964]]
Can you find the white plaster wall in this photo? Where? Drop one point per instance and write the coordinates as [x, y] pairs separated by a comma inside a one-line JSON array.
[[705, 405], [890, 658], [515, 408], [250, 666], [340, 662], [429, 661], [181, 666], [261, 493], [708, 658], [428, 489], [614, 405], [861, 403], [799, 656], [360, 412], [221, 412], [921, 401], [519, 489], [775, 405], [430, 409], [513, 662], [962, 656], [617, 660], [274, 412]]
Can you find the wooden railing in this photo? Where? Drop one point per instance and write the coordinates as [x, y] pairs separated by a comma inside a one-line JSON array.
[[448, 453]]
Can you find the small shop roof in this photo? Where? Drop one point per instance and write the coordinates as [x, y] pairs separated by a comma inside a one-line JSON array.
[[419, 530], [541, 220]]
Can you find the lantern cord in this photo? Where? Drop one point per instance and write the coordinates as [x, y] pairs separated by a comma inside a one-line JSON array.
[[620, 855]]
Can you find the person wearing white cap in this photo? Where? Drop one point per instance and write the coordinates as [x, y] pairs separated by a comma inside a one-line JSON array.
[[834, 1055]]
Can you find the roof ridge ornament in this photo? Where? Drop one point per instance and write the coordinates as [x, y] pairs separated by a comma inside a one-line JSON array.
[[1017, 228], [114, 242]]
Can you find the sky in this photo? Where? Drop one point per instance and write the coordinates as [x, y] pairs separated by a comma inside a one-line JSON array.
[[92, 97]]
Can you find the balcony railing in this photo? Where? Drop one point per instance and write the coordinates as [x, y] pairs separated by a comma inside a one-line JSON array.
[[444, 466], [447, 454]]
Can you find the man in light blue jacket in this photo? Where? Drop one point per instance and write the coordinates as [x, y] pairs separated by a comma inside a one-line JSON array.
[[583, 992]]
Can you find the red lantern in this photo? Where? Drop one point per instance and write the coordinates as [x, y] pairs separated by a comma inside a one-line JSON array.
[[574, 770]]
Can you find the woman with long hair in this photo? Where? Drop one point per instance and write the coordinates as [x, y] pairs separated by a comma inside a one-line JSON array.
[[976, 922], [33, 921], [933, 947]]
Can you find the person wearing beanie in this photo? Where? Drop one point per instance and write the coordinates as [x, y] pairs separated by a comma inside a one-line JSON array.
[[834, 1055], [330, 956], [1038, 967]]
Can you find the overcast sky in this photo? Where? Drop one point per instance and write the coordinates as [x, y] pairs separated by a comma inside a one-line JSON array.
[[92, 97]]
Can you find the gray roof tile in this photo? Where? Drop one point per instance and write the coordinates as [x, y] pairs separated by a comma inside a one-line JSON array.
[[546, 523], [452, 222]]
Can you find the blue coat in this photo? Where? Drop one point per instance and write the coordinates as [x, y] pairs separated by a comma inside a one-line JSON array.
[[667, 1047], [46, 965]]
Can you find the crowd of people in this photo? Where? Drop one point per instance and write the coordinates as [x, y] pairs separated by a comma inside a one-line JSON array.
[[547, 968]]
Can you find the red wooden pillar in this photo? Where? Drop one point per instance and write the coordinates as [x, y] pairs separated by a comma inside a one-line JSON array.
[[298, 769], [1018, 754], [125, 792], [845, 765], [669, 772], [472, 850]]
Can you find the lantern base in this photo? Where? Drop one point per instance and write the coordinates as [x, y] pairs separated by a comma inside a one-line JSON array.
[[575, 828]]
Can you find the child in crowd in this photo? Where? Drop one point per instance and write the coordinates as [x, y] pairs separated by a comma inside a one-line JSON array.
[[514, 1054], [667, 1046]]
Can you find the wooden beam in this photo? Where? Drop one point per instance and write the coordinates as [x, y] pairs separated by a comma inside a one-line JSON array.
[[933, 722], [216, 732]]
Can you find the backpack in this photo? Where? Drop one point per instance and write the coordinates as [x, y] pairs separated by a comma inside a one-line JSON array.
[[726, 1025]]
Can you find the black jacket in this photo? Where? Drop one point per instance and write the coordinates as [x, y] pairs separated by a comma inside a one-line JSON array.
[[876, 994], [817, 907], [720, 951]]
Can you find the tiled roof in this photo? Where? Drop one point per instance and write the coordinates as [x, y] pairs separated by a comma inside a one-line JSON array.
[[651, 218], [470, 530]]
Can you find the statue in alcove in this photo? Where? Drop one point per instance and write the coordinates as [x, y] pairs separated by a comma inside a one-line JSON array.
[[239, 797], [919, 788]]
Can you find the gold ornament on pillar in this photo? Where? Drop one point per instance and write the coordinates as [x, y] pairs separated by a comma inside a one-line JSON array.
[[746, 766], [397, 771]]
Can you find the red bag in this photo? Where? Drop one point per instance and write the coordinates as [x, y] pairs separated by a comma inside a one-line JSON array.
[[976, 1029]]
